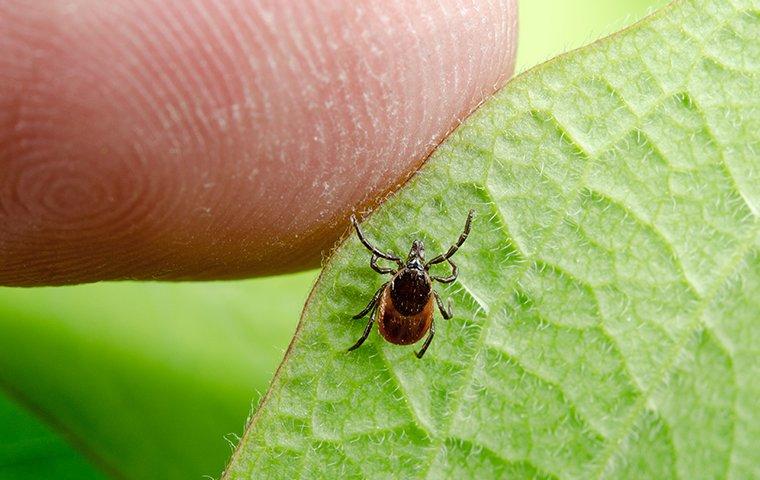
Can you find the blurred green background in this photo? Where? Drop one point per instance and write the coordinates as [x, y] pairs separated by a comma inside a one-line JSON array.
[[149, 380]]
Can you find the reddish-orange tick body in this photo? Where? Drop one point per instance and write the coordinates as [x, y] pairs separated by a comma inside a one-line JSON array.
[[404, 306]]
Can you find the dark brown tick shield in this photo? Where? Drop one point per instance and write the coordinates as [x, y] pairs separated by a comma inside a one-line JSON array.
[[404, 305]]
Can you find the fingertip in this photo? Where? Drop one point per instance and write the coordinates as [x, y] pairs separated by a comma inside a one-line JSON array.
[[212, 140]]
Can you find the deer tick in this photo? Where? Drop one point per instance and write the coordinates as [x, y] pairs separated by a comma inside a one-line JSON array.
[[403, 306]]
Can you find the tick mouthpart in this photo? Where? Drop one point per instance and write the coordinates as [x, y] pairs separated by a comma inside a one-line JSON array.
[[416, 253]]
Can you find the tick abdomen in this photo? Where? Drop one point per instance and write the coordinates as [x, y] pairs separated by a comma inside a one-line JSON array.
[[403, 329]]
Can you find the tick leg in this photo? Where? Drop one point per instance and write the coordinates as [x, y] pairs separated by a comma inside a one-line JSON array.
[[371, 302], [450, 278], [427, 340], [379, 269], [453, 249], [372, 248], [366, 333], [445, 312]]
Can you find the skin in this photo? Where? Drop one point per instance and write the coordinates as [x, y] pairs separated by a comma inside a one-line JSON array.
[[191, 139]]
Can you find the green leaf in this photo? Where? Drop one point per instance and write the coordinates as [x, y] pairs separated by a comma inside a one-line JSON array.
[[151, 380], [70, 380], [29, 450], [607, 314]]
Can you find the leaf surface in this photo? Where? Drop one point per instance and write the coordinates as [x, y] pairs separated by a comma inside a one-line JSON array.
[[607, 313], [30, 450], [151, 380]]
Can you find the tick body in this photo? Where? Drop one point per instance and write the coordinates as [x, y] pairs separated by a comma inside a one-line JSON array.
[[403, 306]]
